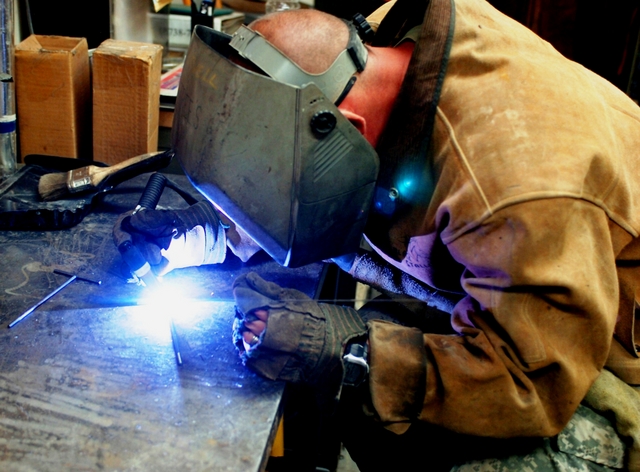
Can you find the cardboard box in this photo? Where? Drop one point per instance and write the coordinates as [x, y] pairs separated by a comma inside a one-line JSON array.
[[126, 99], [53, 92]]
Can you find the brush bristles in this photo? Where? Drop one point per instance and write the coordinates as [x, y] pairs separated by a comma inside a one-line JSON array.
[[53, 186], [60, 184]]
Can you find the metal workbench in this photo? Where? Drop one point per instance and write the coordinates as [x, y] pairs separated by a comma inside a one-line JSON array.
[[89, 381]]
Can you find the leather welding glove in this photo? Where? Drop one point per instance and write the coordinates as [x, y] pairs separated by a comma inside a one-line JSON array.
[[303, 342], [173, 239]]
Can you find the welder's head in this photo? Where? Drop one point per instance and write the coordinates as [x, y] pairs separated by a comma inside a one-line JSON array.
[[258, 132]]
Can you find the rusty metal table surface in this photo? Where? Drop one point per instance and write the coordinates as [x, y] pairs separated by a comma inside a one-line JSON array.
[[89, 380]]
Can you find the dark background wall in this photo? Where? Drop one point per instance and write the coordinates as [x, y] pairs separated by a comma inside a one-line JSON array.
[[601, 35], [76, 18]]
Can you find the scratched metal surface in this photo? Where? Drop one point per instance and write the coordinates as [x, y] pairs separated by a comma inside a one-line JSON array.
[[89, 380], [99, 389]]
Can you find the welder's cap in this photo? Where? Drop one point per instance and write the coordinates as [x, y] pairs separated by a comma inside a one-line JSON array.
[[272, 149], [335, 82]]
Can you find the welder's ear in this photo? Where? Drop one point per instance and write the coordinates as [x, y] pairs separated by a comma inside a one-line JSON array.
[[356, 120]]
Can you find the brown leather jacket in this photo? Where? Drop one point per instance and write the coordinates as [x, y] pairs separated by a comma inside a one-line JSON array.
[[535, 218]]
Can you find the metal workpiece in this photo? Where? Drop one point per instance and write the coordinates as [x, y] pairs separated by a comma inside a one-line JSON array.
[[90, 380], [99, 389]]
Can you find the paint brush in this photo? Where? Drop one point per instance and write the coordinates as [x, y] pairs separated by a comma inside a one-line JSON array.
[[57, 185]]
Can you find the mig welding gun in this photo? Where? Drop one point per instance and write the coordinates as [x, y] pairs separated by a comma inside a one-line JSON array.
[[154, 242]]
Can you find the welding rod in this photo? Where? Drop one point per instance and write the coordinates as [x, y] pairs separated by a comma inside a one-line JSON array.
[[84, 279], [175, 342], [33, 308]]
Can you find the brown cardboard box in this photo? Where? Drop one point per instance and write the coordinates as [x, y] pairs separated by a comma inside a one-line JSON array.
[[126, 99], [53, 91]]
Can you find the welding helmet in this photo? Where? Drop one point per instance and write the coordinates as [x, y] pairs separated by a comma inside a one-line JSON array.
[[273, 151]]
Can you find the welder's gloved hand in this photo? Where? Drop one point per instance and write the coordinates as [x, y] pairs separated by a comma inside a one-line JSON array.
[[303, 342], [173, 239]]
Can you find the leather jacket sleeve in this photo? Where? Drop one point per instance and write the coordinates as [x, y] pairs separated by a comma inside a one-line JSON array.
[[533, 331]]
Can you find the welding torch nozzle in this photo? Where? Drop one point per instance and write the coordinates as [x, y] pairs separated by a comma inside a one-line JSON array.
[[137, 263]]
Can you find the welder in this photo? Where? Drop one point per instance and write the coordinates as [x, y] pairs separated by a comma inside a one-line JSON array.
[[487, 172]]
